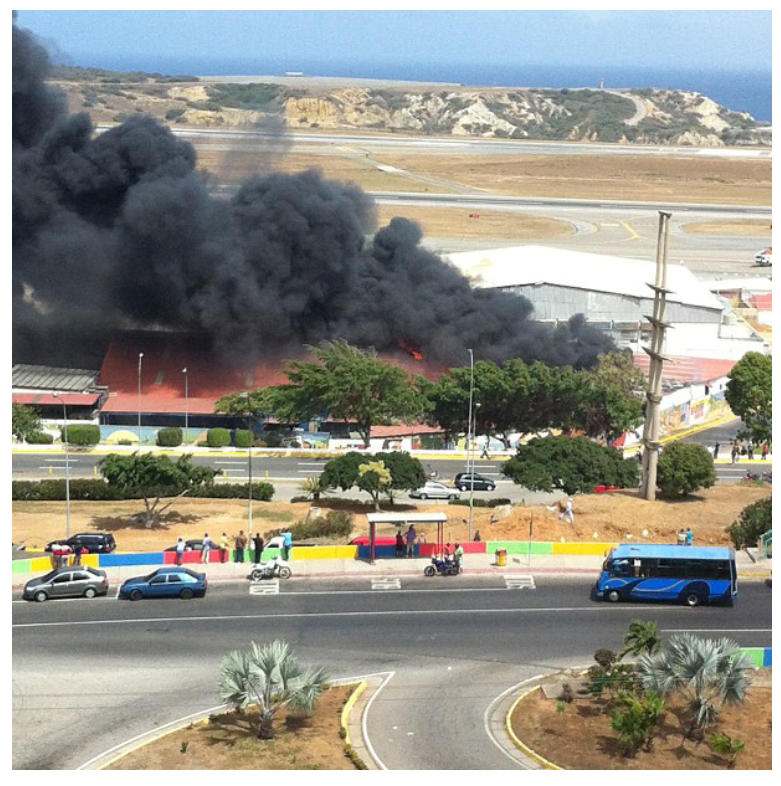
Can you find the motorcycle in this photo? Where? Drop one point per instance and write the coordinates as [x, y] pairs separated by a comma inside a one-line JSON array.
[[752, 477], [274, 568], [767, 477], [445, 567]]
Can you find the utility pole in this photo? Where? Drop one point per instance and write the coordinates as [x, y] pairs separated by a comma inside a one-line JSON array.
[[470, 438], [654, 394], [140, 359]]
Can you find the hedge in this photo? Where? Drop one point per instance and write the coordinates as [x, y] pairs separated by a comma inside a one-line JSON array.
[[40, 438], [218, 437], [81, 434], [169, 437], [95, 489], [242, 438], [482, 503]]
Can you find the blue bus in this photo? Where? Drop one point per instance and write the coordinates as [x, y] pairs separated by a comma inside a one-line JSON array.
[[688, 574]]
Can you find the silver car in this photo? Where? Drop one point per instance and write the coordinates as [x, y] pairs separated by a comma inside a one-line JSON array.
[[74, 582], [434, 490]]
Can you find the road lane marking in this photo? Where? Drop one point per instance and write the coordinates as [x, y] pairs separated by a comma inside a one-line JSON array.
[[520, 582], [265, 588], [283, 615], [716, 630], [386, 584]]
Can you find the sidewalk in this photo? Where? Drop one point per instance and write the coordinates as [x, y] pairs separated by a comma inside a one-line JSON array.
[[587, 566]]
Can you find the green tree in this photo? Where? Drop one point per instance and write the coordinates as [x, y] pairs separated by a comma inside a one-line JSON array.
[[709, 673], [641, 637], [749, 394], [313, 487], [348, 384], [345, 472], [636, 720], [270, 678], [374, 478], [573, 464], [153, 477], [683, 468], [727, 746], [24, 421], [754, 521]]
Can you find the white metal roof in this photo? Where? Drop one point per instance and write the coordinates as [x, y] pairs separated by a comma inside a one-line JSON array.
[[404, 518], [749, 283], [525, 265]]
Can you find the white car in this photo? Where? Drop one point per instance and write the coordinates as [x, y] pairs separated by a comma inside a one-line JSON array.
[[764, 258], [435, 491]]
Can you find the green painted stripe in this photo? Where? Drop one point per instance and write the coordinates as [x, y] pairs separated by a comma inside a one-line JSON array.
[[21, 566], [757, 655], [518, 547]]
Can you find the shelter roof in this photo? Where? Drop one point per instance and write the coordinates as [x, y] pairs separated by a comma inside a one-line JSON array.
[[52, 378], [46, 399]]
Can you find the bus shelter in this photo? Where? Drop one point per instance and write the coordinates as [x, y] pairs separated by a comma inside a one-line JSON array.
[[401, 520]]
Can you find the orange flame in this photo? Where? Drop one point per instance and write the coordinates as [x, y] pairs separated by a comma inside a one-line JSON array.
[[410, 351]]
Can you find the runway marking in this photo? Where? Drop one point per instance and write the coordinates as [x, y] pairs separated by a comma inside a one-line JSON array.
[[386, 584], [282, 615], [520, 582], [265, 588]]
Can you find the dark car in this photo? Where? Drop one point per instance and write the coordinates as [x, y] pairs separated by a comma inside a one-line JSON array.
[[166, 583], [91, 543], [76, 582], [192, 545], [464, 481]]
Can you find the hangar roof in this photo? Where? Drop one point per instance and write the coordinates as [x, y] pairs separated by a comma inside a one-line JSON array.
[[530, 265], [50, 378]]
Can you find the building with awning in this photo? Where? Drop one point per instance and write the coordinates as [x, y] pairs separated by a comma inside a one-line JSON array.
[[47, 388]]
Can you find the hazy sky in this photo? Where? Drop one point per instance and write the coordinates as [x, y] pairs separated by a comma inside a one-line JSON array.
[[701, 40]]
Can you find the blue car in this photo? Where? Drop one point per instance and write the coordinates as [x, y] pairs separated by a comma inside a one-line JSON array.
[[166, 583]]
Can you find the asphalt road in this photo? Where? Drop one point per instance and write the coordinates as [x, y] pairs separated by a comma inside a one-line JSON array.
[[115, 669]]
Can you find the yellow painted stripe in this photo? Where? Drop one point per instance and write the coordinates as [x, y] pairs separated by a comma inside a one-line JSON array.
[[632, 234], [348, 707], [548, 765], [688, 431]]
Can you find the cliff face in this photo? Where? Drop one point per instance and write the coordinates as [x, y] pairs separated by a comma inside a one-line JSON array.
[[639, 117]]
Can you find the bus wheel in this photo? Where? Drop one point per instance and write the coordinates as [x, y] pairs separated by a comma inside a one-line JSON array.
[[692, 599], [613, 596]]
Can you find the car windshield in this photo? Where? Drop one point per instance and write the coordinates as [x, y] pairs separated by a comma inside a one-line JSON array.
[[49, 576]]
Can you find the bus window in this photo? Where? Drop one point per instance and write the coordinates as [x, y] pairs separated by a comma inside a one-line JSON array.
[[621, 567]]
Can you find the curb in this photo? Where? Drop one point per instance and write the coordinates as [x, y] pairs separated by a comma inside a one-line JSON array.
[[112, 755], [525, 749]]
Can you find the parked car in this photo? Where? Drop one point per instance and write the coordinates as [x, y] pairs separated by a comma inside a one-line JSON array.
[[91, 543], [193, 545], [434, 491], [464, 481], [166, 583], [77, 582]]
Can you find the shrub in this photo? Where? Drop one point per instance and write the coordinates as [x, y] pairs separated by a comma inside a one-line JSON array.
[[636, 720], [482, 503], [336, 524], [40, 438], [218, 437], [169, 437], [299, 499], [202, 443], [754, 521], [86, 434], [684, 468], [242, 438], [261, 491], [54, 490]]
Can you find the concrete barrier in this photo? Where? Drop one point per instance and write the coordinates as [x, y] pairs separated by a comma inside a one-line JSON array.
[[518, 547], [117, 560], [593, 549], [762, 657]]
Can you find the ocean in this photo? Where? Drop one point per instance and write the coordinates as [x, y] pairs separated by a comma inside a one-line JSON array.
[[739, 91]]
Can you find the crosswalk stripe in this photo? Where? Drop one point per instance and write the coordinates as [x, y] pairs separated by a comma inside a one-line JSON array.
[[386, 584], [265, 588], [519, 582]]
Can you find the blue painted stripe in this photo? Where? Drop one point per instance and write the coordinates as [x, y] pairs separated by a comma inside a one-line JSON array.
[[116, 560], [768, 660]]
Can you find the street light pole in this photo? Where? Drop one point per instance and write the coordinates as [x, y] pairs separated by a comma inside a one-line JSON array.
[[186, 406], [140, 358], [249, 466], [67, 467], [470, 437]]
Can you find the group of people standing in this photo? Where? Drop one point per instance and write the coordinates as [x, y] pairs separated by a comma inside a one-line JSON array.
[[738, 449], [240, 544], [408, 541], [686, 537], [61, 554]]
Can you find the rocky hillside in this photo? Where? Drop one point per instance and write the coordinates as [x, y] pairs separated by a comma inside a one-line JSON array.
[[640, 117]]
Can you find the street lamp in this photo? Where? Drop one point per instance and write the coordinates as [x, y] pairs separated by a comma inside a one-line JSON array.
[[67, 467], [469, 435], [472, 475], [186, 405], [140, 358], [249, 465]]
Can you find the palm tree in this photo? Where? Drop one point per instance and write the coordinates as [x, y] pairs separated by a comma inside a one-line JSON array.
[[727, 746], [709, 672], [641, 637], [270, 678], [314, 486]]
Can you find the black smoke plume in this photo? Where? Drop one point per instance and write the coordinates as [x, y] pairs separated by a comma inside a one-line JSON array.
[[119, 231]]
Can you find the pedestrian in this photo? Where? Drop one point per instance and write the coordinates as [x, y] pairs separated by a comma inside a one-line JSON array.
[[224, 547], [750, 450], [735, 453], [65, 552], [484, 454], [764, 451], [459, 554], [681, 537], [477, 536], [241, 544], [568, 512], [421, 540], [399, 544], [411, 536], [258, 540], [206, 547], [689, 537], [77, 549], [179, 551], [716, 451], [287, 542]]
